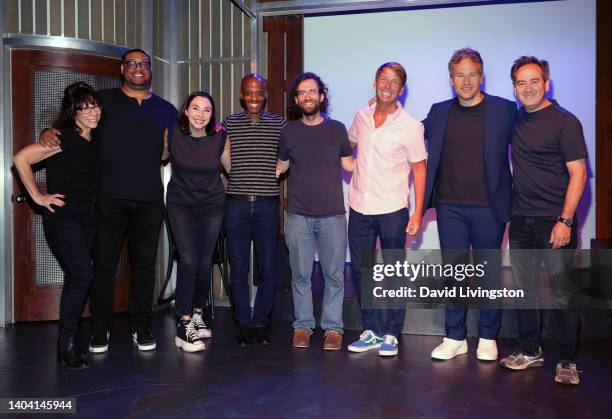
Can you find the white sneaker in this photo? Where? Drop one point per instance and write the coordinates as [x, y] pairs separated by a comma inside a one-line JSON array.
[[487, 350], [449, 348], [200, 326]]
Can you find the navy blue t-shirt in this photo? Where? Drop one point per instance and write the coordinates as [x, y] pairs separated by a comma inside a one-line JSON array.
[[196, 175], [544, 141], [315, 173], [131, 145]]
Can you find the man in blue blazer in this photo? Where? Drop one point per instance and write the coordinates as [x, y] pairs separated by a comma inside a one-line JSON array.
[[469, 183]]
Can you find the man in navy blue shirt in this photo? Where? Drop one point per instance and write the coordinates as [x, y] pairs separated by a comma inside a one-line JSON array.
[[549, 176], [317, 148], [469, 183]]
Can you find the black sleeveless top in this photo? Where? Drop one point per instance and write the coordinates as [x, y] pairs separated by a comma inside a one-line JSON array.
[[75, 171], [196, 176]]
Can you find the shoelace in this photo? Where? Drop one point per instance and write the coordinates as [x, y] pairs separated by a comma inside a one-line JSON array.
[[191, 331], [390, 340], [367, 334], [197, 320]]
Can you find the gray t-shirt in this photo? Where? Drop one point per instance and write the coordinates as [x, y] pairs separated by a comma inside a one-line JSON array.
[[315, 174]]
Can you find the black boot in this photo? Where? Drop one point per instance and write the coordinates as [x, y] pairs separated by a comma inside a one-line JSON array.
[[70, 355], [244, 337], [262, 336]]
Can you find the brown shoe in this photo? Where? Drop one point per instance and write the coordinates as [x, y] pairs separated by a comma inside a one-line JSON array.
[[333, 340], [301, 338]]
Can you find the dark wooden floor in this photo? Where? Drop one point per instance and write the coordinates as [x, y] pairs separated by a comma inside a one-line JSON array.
[[279, 381]]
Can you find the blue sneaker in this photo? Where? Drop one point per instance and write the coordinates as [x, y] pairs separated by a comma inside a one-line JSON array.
[[389, 346], [368, 340]]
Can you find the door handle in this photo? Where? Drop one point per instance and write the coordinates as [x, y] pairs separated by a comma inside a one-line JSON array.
[[19, 199]]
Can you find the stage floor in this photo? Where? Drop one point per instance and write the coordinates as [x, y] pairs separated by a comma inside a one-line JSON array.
[[278, 381]]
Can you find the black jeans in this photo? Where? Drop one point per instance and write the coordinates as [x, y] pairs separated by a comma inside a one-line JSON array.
[[195, 233], [70, 236], [534, 233], [141, 222]]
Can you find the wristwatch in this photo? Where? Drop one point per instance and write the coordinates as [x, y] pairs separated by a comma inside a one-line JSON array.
[[567, 221]]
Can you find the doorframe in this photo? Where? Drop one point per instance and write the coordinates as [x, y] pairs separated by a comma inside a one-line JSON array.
[[7, 44]]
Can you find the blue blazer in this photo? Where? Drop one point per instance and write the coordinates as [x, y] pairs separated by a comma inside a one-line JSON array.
[[499, 128]]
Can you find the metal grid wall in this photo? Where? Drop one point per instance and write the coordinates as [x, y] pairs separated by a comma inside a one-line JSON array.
[[112, 21], [48, 92], [214, 51]]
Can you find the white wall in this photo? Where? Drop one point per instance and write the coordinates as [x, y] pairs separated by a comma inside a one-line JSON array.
[[346, 50]]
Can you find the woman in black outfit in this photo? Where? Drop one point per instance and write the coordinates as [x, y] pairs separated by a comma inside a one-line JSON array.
[[194, 203], [72, 181]]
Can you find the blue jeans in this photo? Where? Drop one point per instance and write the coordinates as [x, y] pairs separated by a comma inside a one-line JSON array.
[[462, 226], [304, 234], [195, 233], [533, 233], [363, 230], [258, 221]]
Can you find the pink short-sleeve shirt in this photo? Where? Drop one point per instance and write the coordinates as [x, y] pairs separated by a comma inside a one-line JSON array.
[[380, 182]]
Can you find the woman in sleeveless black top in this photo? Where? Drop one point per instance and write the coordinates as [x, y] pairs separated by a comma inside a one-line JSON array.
[[72, 182], [194, 202]]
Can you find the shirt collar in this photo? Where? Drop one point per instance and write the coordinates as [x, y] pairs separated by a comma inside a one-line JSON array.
[[393, 116]]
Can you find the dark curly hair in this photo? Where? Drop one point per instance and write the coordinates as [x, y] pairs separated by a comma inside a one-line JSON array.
[[293, 109], [77, 96], [183, 121]]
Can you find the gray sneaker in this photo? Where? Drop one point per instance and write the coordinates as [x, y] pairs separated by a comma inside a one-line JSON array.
[[566, 373], [519, 361]]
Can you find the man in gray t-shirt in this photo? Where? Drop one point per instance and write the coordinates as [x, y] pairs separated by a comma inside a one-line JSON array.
[[317, 148]]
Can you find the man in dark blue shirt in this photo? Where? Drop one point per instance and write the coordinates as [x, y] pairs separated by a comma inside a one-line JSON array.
[[549, 172], [317, 148], [469, 184]]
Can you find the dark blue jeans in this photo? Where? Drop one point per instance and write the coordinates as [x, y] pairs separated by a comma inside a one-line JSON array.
[[70, 236], [141, 223], [534, 233], [195, 233], [461, 227], [363, 230], [257, 221]]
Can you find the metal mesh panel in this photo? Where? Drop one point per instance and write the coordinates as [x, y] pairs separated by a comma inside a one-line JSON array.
[[48, 92]]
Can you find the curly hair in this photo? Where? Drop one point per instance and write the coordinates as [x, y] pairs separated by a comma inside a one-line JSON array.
[[293, 109], [183, 121], [77, 96]]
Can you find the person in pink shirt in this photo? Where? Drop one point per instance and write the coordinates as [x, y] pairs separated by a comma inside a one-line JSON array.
[[390, 145]]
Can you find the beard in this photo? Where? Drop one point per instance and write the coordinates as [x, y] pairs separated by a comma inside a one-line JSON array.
[[312, 111]]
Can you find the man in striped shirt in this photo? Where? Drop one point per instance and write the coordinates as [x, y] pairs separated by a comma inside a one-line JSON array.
[[251, 207]]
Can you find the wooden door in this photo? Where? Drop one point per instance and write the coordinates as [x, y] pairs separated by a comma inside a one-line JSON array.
[[38, 81]]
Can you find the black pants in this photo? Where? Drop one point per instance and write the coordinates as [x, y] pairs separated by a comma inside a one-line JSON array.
[[527, 233], [195, 233], [70, 236], [141, 222]]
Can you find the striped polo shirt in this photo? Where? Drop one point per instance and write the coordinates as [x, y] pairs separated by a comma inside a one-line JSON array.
[[254, 149]]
